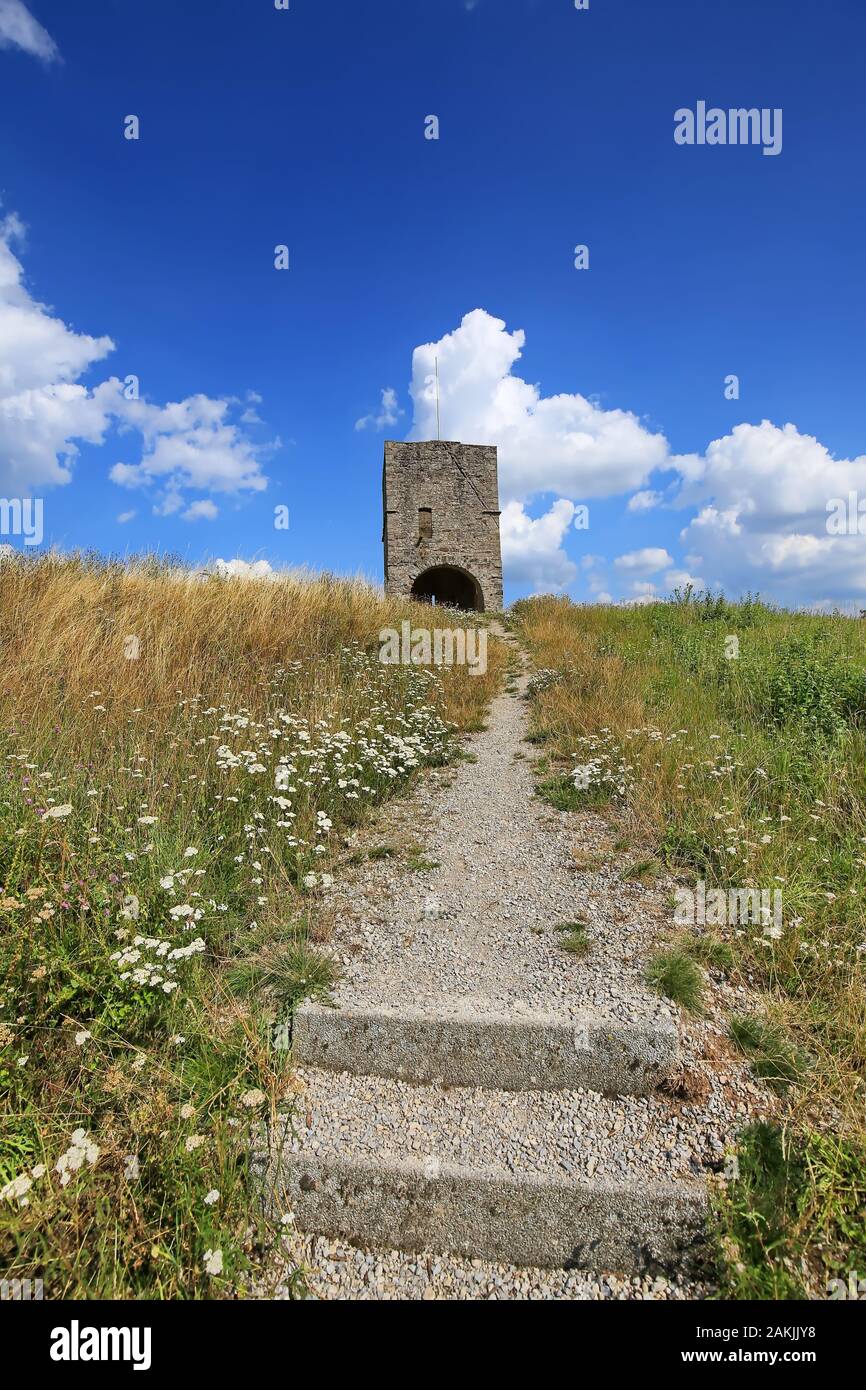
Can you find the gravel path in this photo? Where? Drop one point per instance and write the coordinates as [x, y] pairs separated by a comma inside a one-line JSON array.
[[462, 916], [335, 1270], [479, 931], [580, 1135]]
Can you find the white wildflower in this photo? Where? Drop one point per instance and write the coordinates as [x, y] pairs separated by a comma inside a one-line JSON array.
[[16, 1189]]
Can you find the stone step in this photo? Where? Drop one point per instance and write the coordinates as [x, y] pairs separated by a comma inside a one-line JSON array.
[[543, 1179], [462, 1043]]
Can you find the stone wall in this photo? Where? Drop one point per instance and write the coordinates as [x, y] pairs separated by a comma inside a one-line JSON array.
[[459, 484]]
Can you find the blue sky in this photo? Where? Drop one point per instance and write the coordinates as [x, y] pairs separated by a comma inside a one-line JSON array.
[[306, 127]]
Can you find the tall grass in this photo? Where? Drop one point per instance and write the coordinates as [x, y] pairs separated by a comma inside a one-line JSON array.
[[180, 756], [744, 764]]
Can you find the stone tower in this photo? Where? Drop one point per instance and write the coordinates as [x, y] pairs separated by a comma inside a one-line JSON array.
[[441, 531]]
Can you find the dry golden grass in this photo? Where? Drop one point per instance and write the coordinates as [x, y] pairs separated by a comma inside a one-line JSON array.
[[64, 623]]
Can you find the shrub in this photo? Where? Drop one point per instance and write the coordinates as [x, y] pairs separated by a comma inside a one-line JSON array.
[[815, 687]]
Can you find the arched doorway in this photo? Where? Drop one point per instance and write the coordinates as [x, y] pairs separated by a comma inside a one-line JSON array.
[[450, 587]]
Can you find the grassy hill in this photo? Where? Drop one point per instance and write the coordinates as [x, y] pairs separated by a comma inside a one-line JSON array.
[[183, 758]]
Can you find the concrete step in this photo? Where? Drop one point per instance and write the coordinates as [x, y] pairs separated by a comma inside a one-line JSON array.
[[543, 1179], [464, 1043]]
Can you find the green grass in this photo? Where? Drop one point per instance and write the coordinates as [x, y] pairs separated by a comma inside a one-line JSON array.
[[561, 793], [675, 975], [644, 871], [711, 950], [791, 1215], [771, 1053], [417, 861], [285, 972], [573, 938]]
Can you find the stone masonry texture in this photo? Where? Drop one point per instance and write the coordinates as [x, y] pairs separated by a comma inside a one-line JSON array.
[[441, 510]]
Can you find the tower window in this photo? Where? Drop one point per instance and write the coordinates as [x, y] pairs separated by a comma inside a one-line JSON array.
[[425, 523]]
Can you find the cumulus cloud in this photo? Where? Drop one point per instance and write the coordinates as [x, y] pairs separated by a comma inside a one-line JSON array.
[[46, 412], [759, 495], [646, 561], [564, 444], [532, 547], [124, 517], [762, 494], [42, 408], [190, 444], [19, 29], [389, 412]]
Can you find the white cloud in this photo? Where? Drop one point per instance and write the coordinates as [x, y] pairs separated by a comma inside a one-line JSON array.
[[563, 444], [19, 29], [251, 415], [190, 444], [203, 509], [645, 561], [388, 414], [46, 412], [244, 569], [124, 517], [643, 501], [768, 473], [42, 408], [532, 547], [762, 493], [679, 579]]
